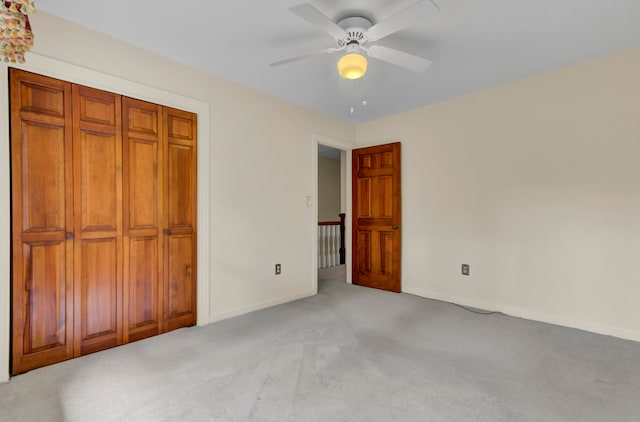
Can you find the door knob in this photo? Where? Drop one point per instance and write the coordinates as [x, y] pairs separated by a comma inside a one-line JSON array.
[[69, 235], [166, 231], [394, 227]]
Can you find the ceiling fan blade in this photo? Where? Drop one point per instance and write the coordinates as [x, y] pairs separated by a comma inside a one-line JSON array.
[[408, 16], [305, 56], [315, 17], [399, 58]]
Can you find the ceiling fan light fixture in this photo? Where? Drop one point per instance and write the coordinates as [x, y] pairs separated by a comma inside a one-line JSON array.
[[352, 66]]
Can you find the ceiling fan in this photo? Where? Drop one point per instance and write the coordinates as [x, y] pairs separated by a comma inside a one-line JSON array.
[[355, 34]]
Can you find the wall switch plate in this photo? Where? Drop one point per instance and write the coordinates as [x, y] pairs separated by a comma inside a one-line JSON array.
[[309, 201], [278, 269], [465, 269]]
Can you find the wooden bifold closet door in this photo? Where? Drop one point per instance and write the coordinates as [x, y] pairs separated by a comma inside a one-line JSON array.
[[97, 234], [42, 226], [103, 220], [143, 197]]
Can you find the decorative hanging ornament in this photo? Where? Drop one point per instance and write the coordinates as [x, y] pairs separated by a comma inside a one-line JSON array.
[[16, 37]]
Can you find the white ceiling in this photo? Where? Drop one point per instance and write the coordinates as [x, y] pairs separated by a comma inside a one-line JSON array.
[[474, 44]]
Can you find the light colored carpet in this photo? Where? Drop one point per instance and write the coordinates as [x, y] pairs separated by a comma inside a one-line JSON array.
[[337, 273], [348, 354]]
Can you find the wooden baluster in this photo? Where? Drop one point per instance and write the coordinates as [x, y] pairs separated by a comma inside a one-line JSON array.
[[319, 248], [342, 240], [324, 246], [330, 246], [327, 243], [327, 246], [328, 250], [337, 240], [332, 250]]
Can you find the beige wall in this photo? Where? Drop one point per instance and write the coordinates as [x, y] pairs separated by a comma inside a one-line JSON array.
[[536, 185], [259, 145], [329, 194]]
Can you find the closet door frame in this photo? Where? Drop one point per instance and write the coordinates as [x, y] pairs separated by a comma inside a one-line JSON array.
[[76, 74]]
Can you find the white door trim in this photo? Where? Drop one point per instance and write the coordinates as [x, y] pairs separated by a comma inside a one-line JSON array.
[[346, 147], [69, 72]]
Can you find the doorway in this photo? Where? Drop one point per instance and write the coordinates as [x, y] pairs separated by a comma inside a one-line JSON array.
[[330, 197], [331, 214], [378, 159]]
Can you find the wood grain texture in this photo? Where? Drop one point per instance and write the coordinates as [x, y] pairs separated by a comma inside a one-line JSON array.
[[42, 213], [377, 217], [98, 270], [180, 205], [143, 217], [103, 218]]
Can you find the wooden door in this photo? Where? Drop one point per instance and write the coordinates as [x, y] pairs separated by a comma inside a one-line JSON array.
[[179, 218], [143, 196], [97, 164], [42, 215], [103, 220], [376, 217]]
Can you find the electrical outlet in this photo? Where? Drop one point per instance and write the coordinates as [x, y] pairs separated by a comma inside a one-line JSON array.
[[278, 269], [465, 269]]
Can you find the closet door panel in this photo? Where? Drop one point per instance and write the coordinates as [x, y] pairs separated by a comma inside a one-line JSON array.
[[99, 181], [43, 174], [180, 276], [42, 256], [143, 307], [143, 282], [44, 273], [180, 187], [180, 218], [94, 106], [99, 295], [43, 96], [98, 287], [143, 184]]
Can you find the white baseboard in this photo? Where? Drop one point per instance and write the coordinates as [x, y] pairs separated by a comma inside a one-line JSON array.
[[622, 333], [258, 306]]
